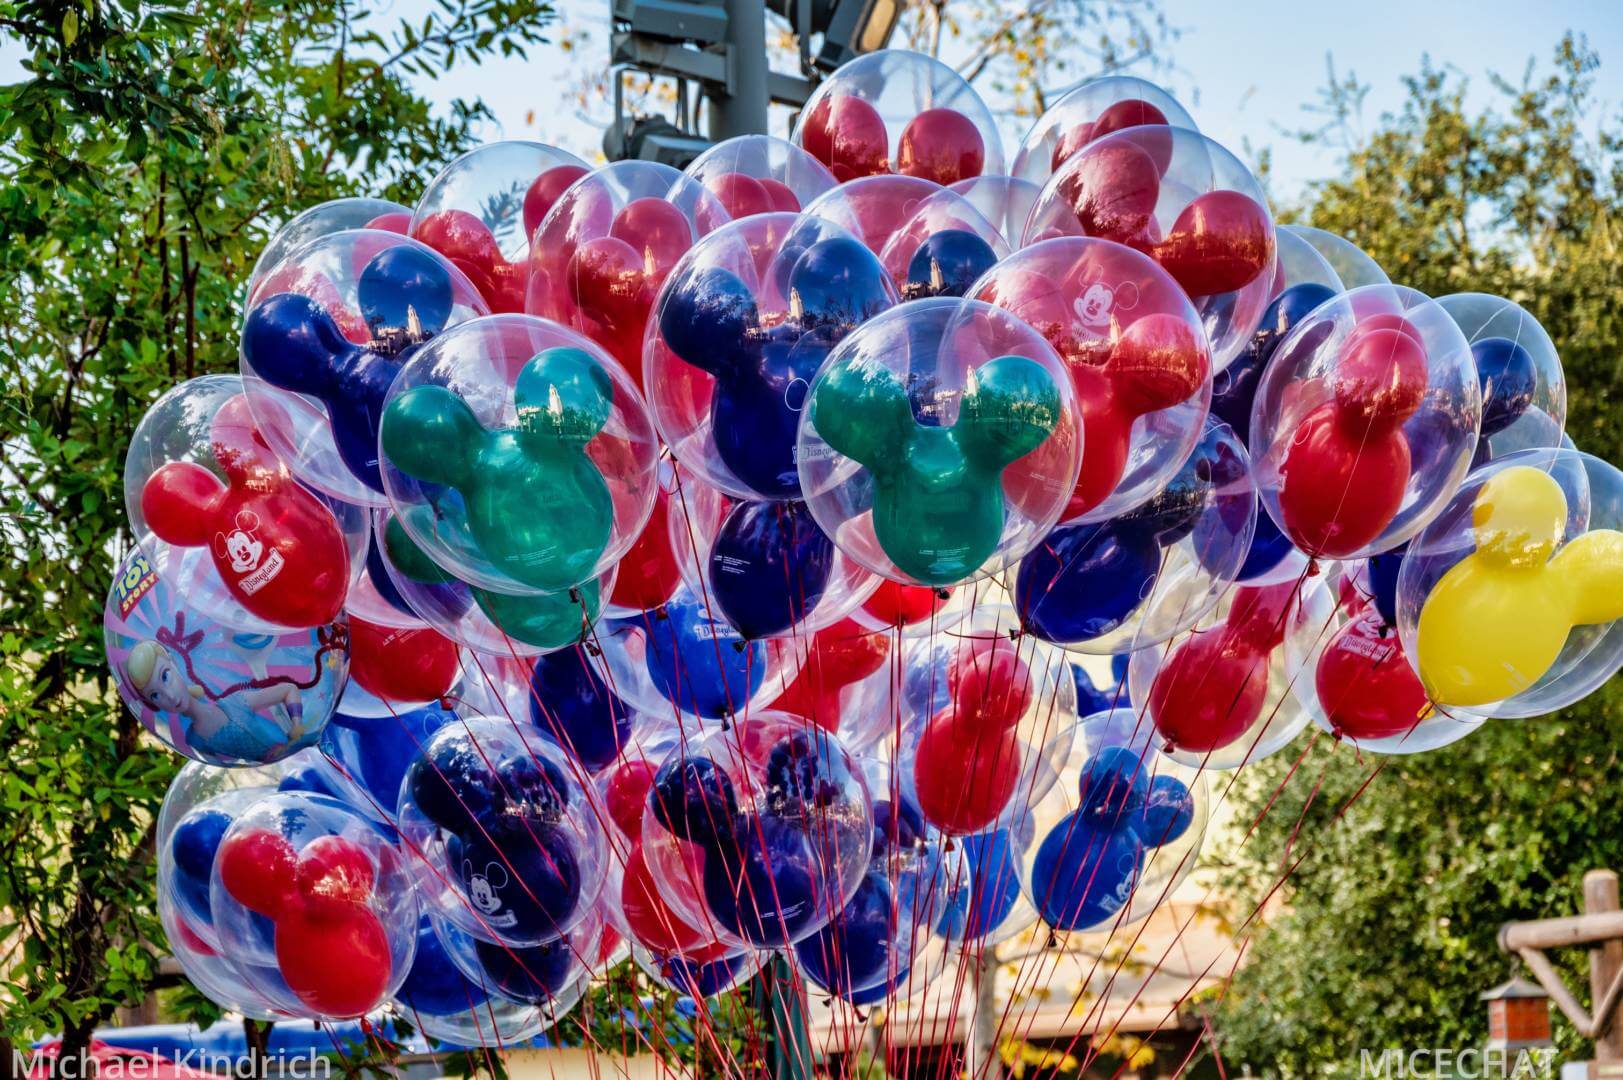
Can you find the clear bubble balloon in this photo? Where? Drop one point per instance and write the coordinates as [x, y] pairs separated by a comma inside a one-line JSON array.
[[509, 848], [1184, 201], [1364, 422], [1300, 263], [1005, 201], [740, 328], [989, 719], [1136, 356], [325, 333], [224, 520], [316, 905], [769, 824], [322, 219], [200, 805], [1351, 265], [209, 970], [940, 442], [1129, 832], [760, 174], [898, 111], [482, 209], [211, 691], [1220, 695], [518, 456], [1524, 392], [1140, 577], [604, 249], [1508, 602], [1097, 108]]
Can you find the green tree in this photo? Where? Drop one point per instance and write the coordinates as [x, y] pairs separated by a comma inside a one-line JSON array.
[[1386, 931], [144, 160]]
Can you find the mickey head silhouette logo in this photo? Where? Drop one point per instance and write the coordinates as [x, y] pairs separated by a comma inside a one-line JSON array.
[[240, 545], [483, 887]]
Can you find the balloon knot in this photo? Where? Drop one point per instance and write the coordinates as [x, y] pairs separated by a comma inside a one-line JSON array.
[[740, 645], [1053, 940], [592, 649], [943, 594], [1313, 568]]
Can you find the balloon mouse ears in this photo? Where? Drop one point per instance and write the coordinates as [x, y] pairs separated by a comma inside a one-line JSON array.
[[405, 294], [1010, 405], [564, 398]]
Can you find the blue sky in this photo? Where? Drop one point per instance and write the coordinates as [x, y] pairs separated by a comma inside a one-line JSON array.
[[1244, 69]]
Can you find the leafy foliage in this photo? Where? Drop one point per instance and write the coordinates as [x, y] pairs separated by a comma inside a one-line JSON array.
[[143, 163], [1385, 933]]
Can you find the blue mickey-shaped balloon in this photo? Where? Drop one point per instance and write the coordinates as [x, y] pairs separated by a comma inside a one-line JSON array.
[[769, 566], [1508, 377], [307, 777], [693, 799], [1235, 387], [700, 664], [1167, 813], [292, 342], [1091, 698], [1113, 786], [519, 873], [709, 318], [193, 845], [376, 753], [947, 263], [435, 986], [1082, 875], [573, 707]]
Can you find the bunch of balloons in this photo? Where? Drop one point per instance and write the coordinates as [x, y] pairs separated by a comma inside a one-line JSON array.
[[704, 566]]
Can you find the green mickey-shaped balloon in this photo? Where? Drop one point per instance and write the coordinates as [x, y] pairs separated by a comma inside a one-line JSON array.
[[537, 507], [938, 498], [545, 620]]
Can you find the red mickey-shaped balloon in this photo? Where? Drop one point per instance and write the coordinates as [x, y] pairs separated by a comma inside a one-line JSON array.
[[331, 948], [626, 792], [1211, 689], [276, 547], [841, 655], [1346, 466], [1129, 112], [942, 145], [408, 664], [1220, 243], [1365, 685], [742, 196], [848, 135]]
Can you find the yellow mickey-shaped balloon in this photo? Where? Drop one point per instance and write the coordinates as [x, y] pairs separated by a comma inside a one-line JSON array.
[[1496, 621]]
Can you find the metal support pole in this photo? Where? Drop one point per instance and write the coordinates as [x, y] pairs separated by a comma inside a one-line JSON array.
[[740, 108], [780, 1002]]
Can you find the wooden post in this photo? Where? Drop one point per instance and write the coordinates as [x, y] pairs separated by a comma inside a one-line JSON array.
[[1605, 961]]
